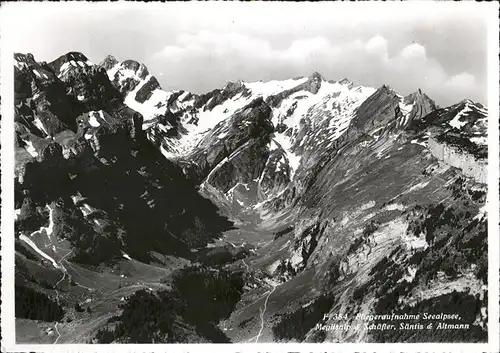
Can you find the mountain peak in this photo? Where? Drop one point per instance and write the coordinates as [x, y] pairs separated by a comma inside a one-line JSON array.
[[315, 76], [24, 57], [108, 62], [72, 55], [69, 62], [313, 82], [386, 88], [467, 101], [345, 81], [110, 57], [421, 99]]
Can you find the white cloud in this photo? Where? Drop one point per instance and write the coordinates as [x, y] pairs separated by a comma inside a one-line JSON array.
[[462, 85], [414, 50], [377, 45], [263, 40], [213, 58], [463, 80]]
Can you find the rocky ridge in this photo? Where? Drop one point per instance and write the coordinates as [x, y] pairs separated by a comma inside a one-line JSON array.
[[353, 212]]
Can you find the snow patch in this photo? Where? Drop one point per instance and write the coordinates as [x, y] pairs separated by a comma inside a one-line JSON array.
[[295, 260], [417, 142], [366, 206], [30, 148], [38, 123], [155, 106], [405, 110], [86, 209], [34, 247], [417, 187], [272, 268], [456, 123], [483, 211], [92, 120], [64, 67], [292, 158], [479, 140], [166, 154], [101, 115], [394, 207], [410, 275], [413, 242], [269, 88], [20, 65]]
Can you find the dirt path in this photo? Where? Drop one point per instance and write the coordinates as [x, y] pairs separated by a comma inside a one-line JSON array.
[[65, 272], [263, 313], [246, 265]]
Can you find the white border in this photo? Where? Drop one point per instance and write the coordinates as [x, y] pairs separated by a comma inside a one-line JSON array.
[[9, 22]]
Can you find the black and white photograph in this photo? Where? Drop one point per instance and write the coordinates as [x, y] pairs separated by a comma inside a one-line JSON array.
[[249, 173]]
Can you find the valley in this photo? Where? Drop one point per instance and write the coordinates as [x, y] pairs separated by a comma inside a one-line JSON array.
[[251, 213]]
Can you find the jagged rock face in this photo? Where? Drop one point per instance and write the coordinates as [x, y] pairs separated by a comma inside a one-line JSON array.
[[146, 91], [109, 62], [229, 91], [422, 105], [361, 232], [60, 91], [311, 119], [457, 135], [86, 82], [41, 102], [378, 110], [141, 70], [276, 174], [312, 85], [242, 155], [103, 157], [388, 112], [126, 76], [476, 168], [466, 118], [362, 188]]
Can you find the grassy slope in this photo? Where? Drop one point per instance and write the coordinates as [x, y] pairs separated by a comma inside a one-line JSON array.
[[375, 183]]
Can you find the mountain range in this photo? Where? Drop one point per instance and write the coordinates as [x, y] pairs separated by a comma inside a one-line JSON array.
[[257, 212]]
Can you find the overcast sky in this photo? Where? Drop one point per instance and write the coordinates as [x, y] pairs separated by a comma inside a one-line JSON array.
[[200, 46]]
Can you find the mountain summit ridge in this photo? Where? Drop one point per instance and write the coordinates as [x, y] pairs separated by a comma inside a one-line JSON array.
[[254, 212]]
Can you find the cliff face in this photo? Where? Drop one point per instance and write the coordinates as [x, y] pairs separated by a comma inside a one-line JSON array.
[[470, 165], [339, 207], [93, 148]]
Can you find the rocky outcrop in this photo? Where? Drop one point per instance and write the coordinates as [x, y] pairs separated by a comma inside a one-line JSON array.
[[469, 164], [380, 109], [363, 218], [244, 148], [102, 154], [50, 96], [230, 90], [422, 105], [146, 91], [312, 85], [109, 62], [127, 75]]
